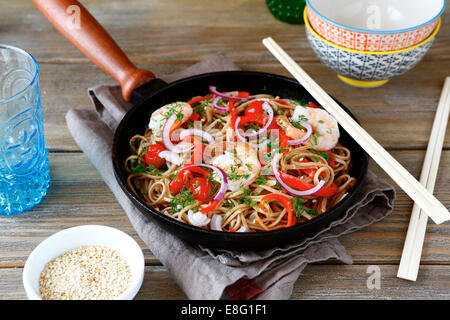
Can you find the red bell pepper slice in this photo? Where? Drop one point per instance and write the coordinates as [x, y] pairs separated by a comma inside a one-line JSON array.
[[243, 94], [311, 172], [194, 117], [198, 99], [301, 185], [331, 161], [233, 115], [197, 155], [313, 105], [284, 103], [286, 203], [283, 138], [255, 108], [254, 113], [209, 208], [251, 118]]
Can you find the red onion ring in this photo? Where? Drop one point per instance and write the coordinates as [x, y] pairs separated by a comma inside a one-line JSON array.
[[214, 103], [241, 138], [166, 136], [269, 110], [290, 190], [228, 96], [222, 174], [197, 132], [306, 137]]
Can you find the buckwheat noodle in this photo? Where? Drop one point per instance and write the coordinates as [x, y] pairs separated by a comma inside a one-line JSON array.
[[239, 209]]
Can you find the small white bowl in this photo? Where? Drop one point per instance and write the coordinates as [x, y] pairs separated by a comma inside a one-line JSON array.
[[375, 25], [392, 15], [73, 238]]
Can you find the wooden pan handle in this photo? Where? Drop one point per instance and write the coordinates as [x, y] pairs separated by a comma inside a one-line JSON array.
[[78, 26]]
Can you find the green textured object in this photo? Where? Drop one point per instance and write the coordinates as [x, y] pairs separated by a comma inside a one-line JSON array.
[[290, 11]]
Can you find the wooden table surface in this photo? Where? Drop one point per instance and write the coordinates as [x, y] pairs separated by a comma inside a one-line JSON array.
[[167, 36]]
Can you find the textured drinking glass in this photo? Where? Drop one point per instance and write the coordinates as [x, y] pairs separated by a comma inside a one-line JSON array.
[[24, 171]]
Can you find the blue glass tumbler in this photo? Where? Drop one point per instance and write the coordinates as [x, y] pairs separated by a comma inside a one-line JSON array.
[[24, 170]]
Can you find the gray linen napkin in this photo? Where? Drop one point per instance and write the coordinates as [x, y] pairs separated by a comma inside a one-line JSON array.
[[204, 273]]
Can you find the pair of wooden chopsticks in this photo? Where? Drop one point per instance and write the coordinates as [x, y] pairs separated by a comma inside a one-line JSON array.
[[410, 260], [424, 199]]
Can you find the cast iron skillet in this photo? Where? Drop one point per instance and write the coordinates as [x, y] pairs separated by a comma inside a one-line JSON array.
[[147, 94], [138, 117]]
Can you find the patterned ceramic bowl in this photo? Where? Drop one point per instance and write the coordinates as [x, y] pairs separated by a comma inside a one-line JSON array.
[[367, 69], [375, 25]]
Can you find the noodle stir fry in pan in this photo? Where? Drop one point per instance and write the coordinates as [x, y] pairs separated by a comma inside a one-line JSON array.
[[235, 162]]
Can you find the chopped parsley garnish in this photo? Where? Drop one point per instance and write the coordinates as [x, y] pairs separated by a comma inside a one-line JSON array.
[[213, 185], [142, 168], [233, 175], [245, 197], [175, 109], [252, 126], [298, 204], [297, 123], [228, 204], [278, 112], [315, 136], [260, 180], [182, 200], [312, 211], [301, 102], [324, 155], [201, 107]]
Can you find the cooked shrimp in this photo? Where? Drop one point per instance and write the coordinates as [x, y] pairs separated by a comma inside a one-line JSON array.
[[325, 127], [239, 161], [159, 117], [291, 131]]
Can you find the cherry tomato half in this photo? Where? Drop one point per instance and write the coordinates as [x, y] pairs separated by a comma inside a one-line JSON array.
[[151, 156], [203, 189]]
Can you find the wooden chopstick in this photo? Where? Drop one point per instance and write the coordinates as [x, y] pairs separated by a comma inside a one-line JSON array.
[[410, 260], [435, 210]]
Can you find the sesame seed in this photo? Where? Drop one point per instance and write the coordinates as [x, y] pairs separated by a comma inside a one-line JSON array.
[[86, 273]]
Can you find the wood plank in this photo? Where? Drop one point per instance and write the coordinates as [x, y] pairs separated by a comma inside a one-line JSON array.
[[168, 36], [78, 196], [350, 282], [317, 282], [182, 30], [399, 114]]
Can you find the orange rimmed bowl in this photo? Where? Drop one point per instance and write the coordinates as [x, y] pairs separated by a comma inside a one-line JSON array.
[[374, 25], [363, 68]]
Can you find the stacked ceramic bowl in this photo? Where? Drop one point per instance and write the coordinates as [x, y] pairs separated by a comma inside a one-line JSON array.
[[367, 42]]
